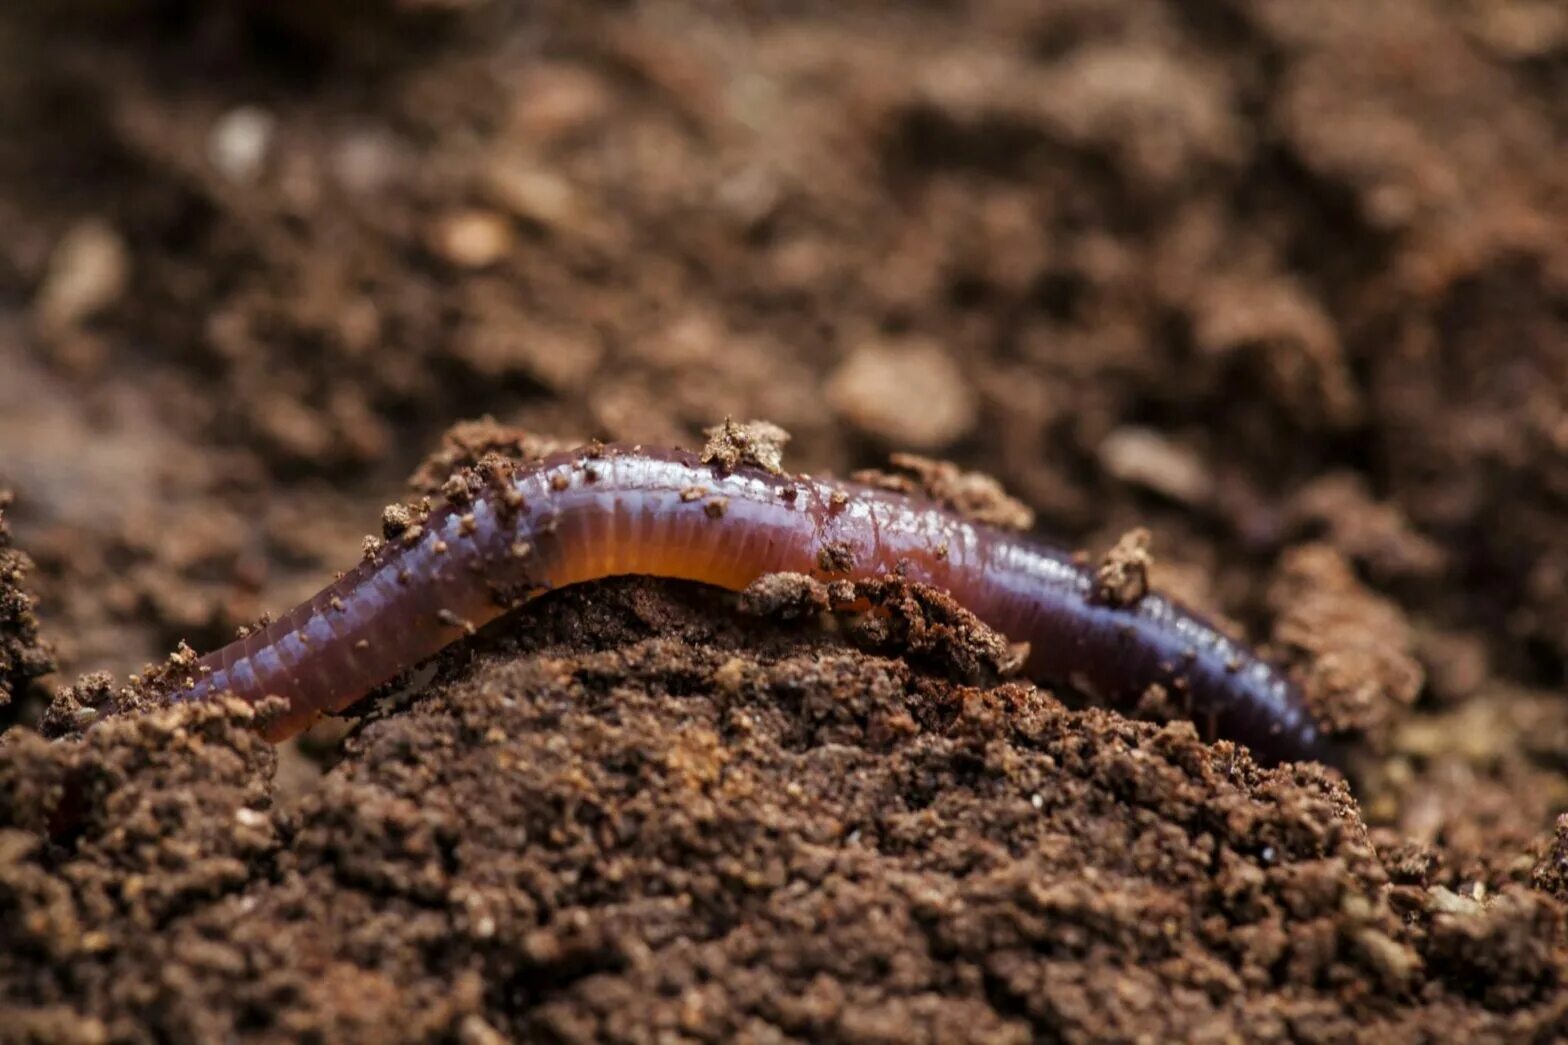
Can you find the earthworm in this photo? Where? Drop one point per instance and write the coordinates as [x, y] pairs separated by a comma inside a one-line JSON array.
[[611, 511]]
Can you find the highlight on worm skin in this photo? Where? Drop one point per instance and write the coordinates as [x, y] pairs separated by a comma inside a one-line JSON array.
[[614, 510]]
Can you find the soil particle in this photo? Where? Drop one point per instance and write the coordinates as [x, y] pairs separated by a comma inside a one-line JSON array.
[[974, 495], [785, 595], [836, 558], [1362, 672], [396, 519], [756, 443], [927, 624], [478, 447], [1122, 577], [23, 655], [1551, 874]]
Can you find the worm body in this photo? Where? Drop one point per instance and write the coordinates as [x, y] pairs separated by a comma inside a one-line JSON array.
[[587, 515]]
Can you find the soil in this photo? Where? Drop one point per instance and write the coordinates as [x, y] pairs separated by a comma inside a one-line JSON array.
[[1270, 297]]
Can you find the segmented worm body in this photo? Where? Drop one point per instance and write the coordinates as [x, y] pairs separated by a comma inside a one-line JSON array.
[[615, 510]]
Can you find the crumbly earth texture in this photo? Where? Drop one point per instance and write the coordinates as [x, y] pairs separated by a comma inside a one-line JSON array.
[[23, 656], [1280, 284], [626, 815]]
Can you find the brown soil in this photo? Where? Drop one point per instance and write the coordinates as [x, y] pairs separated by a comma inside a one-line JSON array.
[[23, 656], [1284, 283]]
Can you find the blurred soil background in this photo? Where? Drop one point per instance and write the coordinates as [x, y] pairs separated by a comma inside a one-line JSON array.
[[1285, 281]]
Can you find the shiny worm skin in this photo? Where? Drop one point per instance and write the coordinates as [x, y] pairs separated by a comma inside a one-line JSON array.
[[613, 510]]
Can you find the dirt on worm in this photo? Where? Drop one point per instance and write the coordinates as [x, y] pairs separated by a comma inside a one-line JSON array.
[[1271, 297]]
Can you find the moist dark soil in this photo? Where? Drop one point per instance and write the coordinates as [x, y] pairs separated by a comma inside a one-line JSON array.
[[1270, 297]]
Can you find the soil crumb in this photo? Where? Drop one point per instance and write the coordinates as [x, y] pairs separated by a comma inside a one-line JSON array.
[[1363, 673], [974, 495], [1122, 577], [466, 447], [23, 655], [757, 443]]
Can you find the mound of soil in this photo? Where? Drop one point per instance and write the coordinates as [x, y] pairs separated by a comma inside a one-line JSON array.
[[628, 814], [1283, 282]]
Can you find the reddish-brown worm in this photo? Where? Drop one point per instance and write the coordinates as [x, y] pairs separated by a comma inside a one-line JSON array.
[[614, 510]]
